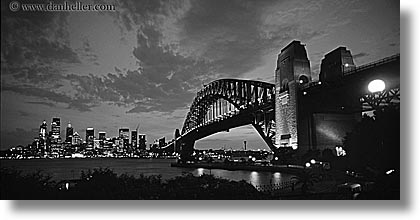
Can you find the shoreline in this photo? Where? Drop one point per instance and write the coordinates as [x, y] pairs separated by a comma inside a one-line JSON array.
[[222, 166]]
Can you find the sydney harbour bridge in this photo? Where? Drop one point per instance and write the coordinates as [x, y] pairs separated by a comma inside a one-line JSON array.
[[296, 113]]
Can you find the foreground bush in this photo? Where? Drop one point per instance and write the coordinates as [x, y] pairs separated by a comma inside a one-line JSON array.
[[105, 184]]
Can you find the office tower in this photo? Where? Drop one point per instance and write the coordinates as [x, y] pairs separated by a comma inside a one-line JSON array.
[[77, 139], [69, 133], [124, 135], [55, 130], [90, 136], [162, 142], [102, 135], [134, 142], [142, 142], [43, 137]]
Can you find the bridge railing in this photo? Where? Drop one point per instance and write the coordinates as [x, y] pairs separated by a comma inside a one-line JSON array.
[[373, 64]]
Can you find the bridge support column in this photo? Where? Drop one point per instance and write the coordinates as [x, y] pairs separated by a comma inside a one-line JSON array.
[[187, 149]]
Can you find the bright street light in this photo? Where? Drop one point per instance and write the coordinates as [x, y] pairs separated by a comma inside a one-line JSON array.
[[376, 85]]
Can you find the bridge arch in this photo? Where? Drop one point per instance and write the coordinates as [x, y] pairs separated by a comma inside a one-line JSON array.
[[229, 103]]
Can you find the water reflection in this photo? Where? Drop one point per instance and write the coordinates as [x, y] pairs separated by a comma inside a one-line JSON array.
[[200, 171], [61, 169], [253, 177]]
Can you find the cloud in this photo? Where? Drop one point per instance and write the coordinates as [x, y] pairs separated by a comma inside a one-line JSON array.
[[359, 55], [18, 136]]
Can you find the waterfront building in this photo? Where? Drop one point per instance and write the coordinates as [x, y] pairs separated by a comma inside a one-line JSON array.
[[134, 141], [162, 142], [42, 142], [102, 135], [142, 142], [55, 130], [124, 135], [90, 136], [76, 139], [69, 133]]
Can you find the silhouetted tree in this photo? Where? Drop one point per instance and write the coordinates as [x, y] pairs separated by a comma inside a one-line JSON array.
[[306, 179], [375, 141]]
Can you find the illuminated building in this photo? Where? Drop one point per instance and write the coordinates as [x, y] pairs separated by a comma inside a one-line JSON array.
[[69, 133], [142, 142], [43, 137], [76, 139], [124, 135], [90, 136], [162, 142], [102, 135], [134, 141], [55, 130]]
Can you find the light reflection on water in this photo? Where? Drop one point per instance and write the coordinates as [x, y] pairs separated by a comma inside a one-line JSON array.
[[253, 177], [61, 169]]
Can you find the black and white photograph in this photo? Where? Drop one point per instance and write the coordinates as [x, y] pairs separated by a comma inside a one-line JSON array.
[[201, 100]]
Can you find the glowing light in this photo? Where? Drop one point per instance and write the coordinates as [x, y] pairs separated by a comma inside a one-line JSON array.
[[346, 65], [319, 83], [307, 164], [376, 85], [389, 172], [340, 151], [276, 158], [294, 147], [253, 159], [67, 186], [313, 161], [304, 93], [300, 81], [200, 171]]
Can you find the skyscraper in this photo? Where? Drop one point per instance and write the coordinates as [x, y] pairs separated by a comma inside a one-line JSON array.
[[162, 142], [43, 137], [142, 141], [134, 142], [69, 133], [102, 135], [124, 135], [76, 140], [55, 130], [90, 136]]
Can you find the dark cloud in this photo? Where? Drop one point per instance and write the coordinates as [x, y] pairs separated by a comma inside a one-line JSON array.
[[23, 113], [359, 55], [49, 104], [18, 136]]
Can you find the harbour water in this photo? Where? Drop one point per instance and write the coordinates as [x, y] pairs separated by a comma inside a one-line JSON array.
[[61, 169]]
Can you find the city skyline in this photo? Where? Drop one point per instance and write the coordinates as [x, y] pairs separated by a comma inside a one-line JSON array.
[[114, 80]]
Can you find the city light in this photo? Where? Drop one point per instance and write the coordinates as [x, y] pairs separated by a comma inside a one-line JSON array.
[[376, 85], [307, 164], [389, 172], [313, 161]]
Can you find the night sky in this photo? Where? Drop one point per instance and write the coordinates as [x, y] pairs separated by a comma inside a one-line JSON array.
[[144, 62]]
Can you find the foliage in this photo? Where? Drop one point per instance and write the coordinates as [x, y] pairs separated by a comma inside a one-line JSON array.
[[306, 179], [375, 142], [16, 185], [105, 184]]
